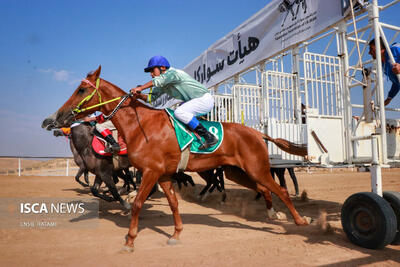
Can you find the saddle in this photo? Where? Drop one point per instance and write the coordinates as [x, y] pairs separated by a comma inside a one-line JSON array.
[[99, 144], [187, 138]]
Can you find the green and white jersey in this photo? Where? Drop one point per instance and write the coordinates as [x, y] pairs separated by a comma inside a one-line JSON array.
[[179, 85]]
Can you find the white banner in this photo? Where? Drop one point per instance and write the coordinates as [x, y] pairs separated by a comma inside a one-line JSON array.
[[277, 26]]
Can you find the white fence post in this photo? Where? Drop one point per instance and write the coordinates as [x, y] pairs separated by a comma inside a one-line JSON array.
[[66, 174], [19, 166]]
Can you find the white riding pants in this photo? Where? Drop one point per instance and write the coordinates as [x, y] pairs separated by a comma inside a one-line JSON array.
[[105, 125], [194, 107]]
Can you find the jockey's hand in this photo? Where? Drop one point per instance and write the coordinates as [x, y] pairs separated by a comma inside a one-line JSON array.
[[137, 90], [89, 119]]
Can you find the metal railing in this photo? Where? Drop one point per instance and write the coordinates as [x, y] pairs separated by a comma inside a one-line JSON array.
[[34, 165]]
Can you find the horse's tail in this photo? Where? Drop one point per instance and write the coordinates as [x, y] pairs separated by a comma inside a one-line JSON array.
[[287, 146]]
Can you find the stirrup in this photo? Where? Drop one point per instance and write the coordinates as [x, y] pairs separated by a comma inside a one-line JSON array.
[[112, 149], [206, 144]]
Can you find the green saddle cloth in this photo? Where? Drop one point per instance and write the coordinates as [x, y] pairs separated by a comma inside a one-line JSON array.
[[186, 138]]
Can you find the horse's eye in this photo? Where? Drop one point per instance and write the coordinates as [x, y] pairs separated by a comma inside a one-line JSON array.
[[81, 90]]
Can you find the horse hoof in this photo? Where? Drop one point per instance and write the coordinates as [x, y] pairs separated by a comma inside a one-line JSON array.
[[271, 214], [281, 216], [131, 196], [173, 242], [126, 250], [308, 220]]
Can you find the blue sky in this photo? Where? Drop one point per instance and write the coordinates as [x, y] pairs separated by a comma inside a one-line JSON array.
[[47, 47]]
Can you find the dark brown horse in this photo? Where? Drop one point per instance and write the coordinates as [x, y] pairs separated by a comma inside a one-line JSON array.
[[77, 158], [101, 166], [153, 149]]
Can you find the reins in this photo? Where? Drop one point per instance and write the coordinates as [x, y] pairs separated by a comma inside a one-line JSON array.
[[78, 110]]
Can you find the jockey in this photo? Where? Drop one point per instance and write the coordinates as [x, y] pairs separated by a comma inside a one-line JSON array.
[[104, 127], [179, 85]]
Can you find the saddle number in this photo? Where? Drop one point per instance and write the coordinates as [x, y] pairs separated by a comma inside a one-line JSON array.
[[214, 131]]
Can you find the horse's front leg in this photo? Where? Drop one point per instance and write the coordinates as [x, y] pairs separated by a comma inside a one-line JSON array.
[[148, 181], [78, 175], [95, 190], [86, 176], [169, 191]]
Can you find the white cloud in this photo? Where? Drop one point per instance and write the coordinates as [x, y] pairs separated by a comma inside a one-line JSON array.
[[58, 75], [61, 75]]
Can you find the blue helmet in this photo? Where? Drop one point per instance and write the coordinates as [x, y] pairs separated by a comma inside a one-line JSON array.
[[157, 61]]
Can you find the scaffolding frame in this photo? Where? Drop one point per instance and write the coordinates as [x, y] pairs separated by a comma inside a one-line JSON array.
[[272, 103]]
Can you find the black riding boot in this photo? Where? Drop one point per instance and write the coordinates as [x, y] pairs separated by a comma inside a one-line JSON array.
[[115, 148], [209, 139]]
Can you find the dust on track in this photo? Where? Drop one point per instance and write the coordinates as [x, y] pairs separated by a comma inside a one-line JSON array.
[[233, 234]]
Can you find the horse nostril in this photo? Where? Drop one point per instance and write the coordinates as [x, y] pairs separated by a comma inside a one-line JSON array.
[[47, 123]]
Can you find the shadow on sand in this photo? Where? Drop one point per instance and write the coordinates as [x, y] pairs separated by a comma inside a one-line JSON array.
[[241, 203]]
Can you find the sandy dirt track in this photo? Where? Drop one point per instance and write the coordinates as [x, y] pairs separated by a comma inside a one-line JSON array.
[[234, 234]]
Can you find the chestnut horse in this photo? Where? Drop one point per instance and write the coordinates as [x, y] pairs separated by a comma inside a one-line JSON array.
[[153, 149]]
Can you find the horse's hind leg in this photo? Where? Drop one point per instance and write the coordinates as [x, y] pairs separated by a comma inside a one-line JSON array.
[[262, 176], [129, 177], [240, 177], [294, 179], [126, 187], [220, 177], [268, 201], [208, 177], [169, 191], [280, 172]]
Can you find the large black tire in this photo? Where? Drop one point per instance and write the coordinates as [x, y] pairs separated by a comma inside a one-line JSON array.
[[368, 220], [394, 200]]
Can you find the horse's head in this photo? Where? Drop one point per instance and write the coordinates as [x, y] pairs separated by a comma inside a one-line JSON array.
[[85, 95]]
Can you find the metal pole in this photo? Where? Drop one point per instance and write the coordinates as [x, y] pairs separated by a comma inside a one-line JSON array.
[[296, 71], [376, 172], [19, 166], [263, 95], [347, 111], [236, 99], [374, 18]]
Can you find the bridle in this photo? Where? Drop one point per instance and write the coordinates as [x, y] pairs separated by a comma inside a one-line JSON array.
[[78, 108]]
